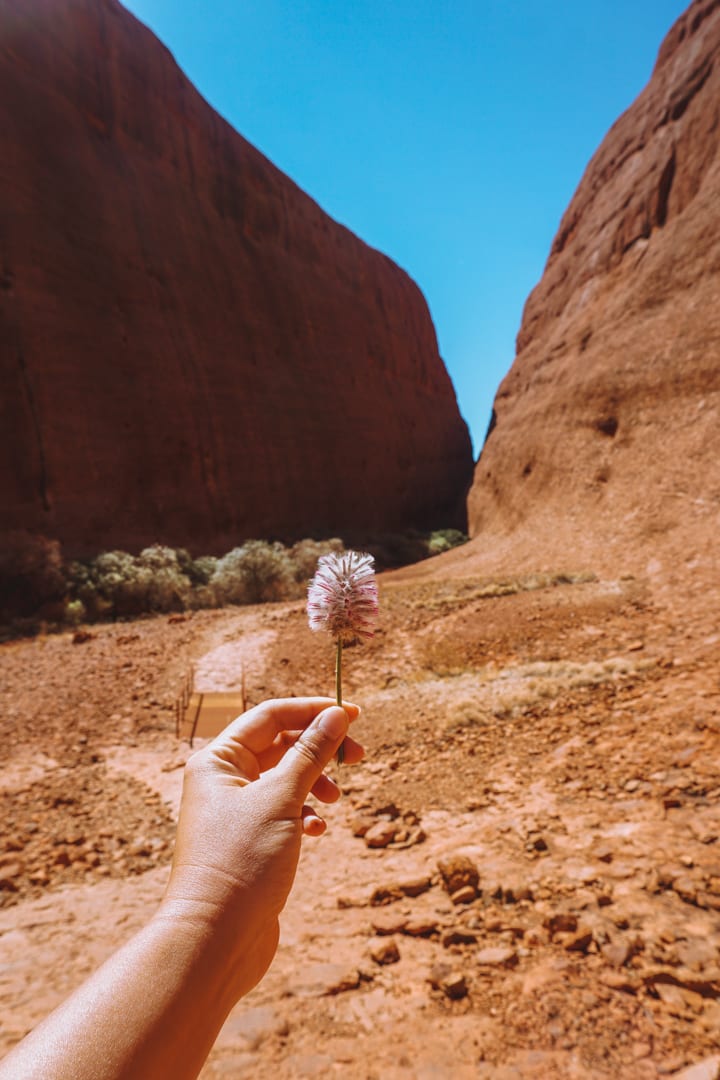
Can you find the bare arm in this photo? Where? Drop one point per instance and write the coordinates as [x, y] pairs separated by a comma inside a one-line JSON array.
[[154, 1009]]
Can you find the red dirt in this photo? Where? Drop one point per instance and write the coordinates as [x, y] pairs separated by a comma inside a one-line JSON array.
[[563, 737]]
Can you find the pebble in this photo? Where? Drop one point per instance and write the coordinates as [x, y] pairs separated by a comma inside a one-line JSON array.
[[384, 950], [497, 956], [420, 927], [451, 982], [562, 922], [458, 872], [381, 834], [465, 895], [708, 1069], [454, 936]]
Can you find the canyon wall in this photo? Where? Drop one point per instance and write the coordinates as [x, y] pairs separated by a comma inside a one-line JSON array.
[[191, 350], [605, 439]]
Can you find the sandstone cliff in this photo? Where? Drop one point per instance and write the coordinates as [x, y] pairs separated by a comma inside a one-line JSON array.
[[191, 351], [606, 434]]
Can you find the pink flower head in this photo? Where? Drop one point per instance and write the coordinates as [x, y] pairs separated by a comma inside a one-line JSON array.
[[343, 596]]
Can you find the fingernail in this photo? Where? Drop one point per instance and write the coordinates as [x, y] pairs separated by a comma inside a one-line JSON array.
[[333, 722]]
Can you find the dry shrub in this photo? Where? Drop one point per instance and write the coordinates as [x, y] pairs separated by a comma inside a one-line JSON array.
[[305, 555], [255, 573], [31, 577], [118, 584]]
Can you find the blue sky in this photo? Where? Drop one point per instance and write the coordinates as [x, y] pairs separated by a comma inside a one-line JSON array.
[[450, 134]]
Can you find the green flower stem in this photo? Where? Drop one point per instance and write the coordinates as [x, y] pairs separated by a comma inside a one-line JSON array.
[[340, 756]]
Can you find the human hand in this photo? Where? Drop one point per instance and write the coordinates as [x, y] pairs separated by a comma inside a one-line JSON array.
[[242, 817]]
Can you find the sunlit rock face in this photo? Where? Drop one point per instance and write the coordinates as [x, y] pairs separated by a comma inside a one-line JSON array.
[[191, 350], [607, 428]]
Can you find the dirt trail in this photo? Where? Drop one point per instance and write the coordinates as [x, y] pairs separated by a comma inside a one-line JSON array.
[[561, 740]]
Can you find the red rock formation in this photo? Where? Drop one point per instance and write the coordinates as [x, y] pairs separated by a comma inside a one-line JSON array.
[[191, 351], [606, 433]]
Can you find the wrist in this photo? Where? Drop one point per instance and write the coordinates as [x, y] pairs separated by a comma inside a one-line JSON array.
[[230, 946]]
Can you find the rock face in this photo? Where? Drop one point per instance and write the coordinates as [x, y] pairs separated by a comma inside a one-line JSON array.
[[191, 351], [606, 430]]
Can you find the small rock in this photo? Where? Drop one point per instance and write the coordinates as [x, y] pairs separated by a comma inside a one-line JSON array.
[[359, 826], [415, 886], [385, 894], [458, 872], [388, 926], [536, 937], [616, 953], [451, 982], [421, 927], [497, 956], [465, 895], [686, 888], [381, 834], [580, 941], [562, 922], [384, 950], [708, 1069], [345, 902], [414, 836], [9, 876], [177, 762], [617, 980], [454, 936], [140, 846]]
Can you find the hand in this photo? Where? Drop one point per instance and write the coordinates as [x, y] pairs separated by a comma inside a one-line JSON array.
[[242, 817]]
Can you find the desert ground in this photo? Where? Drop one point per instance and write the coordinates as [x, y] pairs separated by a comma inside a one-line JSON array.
[[522, 880]]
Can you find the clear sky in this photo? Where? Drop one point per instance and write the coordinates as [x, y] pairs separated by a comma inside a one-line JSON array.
[[450, 134]]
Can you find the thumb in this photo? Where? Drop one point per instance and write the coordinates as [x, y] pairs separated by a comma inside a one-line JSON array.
[[307, 757]]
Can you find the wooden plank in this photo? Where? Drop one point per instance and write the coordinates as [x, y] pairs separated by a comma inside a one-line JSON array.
[[206, 715]]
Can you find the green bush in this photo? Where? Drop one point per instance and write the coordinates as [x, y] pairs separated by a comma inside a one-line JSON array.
[[167, 588], [444, 539], [255, 573], [35, 585], [305, 554]]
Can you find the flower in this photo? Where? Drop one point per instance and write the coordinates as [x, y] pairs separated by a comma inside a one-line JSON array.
[[343, 596]]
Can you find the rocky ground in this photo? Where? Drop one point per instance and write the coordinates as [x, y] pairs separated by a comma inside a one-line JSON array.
[[522, 880]]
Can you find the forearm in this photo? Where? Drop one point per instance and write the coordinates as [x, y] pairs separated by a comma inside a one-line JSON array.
[[153, 1010]]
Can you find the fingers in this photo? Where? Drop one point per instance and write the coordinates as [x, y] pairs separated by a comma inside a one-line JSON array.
[[257, 729], [325, 789], [269, 758], [312, 824], [303, 764]]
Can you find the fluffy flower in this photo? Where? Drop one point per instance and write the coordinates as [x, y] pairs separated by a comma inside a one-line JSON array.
[[343, 596]]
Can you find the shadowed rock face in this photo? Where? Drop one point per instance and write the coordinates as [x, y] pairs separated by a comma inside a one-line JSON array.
[[607, 426], [191, 351]]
